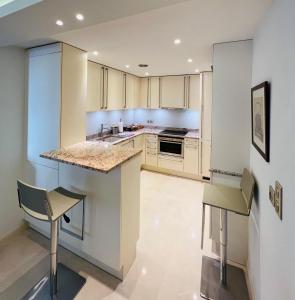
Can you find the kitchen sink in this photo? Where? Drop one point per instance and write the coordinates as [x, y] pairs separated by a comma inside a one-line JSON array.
[[111, 139]]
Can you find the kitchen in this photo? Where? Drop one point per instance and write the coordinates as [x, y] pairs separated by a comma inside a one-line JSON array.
[[120, 115]]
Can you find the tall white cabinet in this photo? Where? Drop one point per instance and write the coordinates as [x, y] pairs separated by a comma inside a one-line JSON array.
[[205, 130], [56, 107]]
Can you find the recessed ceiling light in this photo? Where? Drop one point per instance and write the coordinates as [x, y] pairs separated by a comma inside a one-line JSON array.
[[189, 60], [59, 22], [197, 70], [127, 66], [79, 17], [95, 52], [146, 73], [143, 65], [177, 41]]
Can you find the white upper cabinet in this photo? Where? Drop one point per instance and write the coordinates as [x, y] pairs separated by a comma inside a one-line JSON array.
[[114, 96], [154, 92], [173, 92], [132, 86], [94, 86], [144, 85], [206, 105], [193, 85]]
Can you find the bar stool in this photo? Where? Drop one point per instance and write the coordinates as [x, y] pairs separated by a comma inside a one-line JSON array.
[[220, 280], [62, 283]]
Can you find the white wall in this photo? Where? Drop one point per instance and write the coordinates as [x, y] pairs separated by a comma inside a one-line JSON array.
[[231, 121], [12, 91], [160, 117], [274, 241]]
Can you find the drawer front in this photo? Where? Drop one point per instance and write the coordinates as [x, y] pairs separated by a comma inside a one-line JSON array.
[[152, 151], [151, 159], [170, 162], [151, 145], [151, 138], [191, 142]]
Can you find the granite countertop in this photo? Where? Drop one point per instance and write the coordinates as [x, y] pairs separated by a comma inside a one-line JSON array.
[[192, 134], [94, 155]]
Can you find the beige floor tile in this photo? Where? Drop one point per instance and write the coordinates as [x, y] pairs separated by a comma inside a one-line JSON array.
[[168, 262]]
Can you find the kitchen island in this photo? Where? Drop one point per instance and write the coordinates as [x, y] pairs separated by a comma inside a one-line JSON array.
[[109, 176]]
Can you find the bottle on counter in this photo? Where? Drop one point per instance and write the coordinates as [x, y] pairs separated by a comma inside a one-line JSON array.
[[120, 124]]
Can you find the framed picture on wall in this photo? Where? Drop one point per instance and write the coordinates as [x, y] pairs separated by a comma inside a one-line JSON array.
[[260, 116]]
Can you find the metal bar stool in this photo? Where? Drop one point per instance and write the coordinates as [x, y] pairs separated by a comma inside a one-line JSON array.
[[62, 283], [219, 280]]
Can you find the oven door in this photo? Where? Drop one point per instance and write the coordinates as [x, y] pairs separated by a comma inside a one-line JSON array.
[[171, 146]]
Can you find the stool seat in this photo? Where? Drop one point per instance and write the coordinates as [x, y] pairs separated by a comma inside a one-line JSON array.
[[60, 200], [224, 197]]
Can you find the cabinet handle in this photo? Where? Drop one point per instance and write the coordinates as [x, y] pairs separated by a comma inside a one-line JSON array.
[[125, 90], [184, 91], [107, 88], [102, 88], [188, 91], [160, 93], [148, 93]]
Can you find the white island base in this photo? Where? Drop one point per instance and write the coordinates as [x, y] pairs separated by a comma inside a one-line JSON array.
[[112, 209]]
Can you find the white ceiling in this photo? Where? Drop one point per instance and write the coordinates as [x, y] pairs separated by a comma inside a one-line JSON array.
[[35, 24], [148, 37]]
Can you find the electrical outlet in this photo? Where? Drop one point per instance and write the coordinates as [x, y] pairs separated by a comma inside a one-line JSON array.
[[279, 199], [271, 195]]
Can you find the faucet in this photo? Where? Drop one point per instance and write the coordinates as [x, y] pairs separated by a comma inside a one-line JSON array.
[[101, 129]]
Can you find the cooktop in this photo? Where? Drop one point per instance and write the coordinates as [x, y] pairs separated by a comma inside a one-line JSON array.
[[174, 132]]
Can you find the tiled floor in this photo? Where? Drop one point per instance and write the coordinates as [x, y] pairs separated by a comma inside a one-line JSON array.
[[168, 262]]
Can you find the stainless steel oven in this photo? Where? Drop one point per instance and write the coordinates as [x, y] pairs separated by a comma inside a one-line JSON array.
[[170, 146]]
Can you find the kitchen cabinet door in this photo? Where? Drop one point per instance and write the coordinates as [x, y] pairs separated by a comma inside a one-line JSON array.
[[191, 156], [144, 87], [94, 86], [139, 143], [132, 91], [206, 105], [127, 144], [114, 81], [170, 163], [154, 92], [172, 93], [194, 92], [205, 158]]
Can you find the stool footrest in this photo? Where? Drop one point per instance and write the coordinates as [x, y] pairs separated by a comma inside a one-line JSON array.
[[69, 284]]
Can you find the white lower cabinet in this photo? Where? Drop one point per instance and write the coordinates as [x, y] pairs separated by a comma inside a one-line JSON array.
[[127, 144], [170, 162], [191, 156], [151, 158]]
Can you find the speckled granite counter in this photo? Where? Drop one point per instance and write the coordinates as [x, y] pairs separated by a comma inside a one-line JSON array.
[[95, 155], [192, 133]]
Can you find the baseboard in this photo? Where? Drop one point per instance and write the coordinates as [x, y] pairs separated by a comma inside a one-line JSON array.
[[172, 172]]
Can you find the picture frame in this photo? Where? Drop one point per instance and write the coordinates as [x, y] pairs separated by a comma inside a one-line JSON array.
[[260, 118]]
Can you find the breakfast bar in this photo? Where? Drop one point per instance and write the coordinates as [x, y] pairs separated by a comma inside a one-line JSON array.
[[103, 173]]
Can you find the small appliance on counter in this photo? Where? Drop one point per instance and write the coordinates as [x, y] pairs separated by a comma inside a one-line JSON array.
[[115, 129], [133, 127]]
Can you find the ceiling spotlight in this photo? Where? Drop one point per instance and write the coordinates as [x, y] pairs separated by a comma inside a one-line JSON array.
[[127, 66], [189, 60], [177, 41], [143, 65], [79, 17], [146, 73], [59, 23], [197, 70], [95, 53]]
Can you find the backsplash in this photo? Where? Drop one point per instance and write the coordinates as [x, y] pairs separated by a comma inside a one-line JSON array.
[[168, 117], [160, 117]]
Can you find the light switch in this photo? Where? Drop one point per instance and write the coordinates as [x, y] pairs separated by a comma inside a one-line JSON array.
[[278, 199], [271, 195]]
